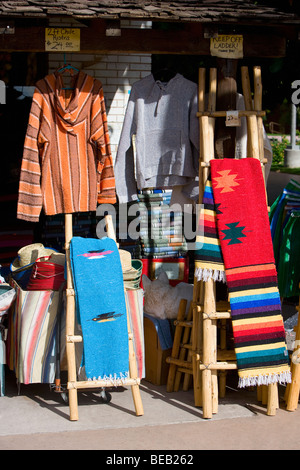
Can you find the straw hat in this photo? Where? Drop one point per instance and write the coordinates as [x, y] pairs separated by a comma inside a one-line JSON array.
[[56, 258], [126, 262], [28, 255]]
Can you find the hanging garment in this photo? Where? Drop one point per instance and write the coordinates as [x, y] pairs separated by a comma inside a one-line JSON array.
[[289, 256], [289, 199], [67, 163], [163, 119], [246, 245]]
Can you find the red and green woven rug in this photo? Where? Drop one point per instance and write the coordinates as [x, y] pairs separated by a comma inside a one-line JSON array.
[[243, 231]]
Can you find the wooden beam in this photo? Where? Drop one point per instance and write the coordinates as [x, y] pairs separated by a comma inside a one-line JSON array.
[[189, 40]]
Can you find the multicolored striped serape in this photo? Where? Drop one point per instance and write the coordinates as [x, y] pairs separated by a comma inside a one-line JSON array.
[[208, 254], [246, 244]]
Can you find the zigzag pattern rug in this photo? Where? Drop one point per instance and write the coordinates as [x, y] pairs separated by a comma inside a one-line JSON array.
[[101, 308], [247, 250]]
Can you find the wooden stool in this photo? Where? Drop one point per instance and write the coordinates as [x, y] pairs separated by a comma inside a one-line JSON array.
[[180, 360]]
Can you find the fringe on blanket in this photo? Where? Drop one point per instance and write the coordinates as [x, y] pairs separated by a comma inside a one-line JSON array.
[[115, 380], [203, 274], [283, 378]]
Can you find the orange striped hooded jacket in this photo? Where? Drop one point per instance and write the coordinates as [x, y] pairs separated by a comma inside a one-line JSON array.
[[67, 163]]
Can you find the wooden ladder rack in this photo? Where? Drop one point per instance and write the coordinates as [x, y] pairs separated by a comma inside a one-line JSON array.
[[208, 363], [73, 384]]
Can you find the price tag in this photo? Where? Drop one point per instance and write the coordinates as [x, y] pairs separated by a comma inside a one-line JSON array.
[[62, 39], [232, 119], [228, 46]]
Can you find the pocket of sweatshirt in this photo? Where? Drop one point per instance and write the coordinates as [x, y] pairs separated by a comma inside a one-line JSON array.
[[164, 152]]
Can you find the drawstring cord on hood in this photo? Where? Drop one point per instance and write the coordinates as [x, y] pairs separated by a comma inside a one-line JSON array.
[[162, 87], [158, 100]]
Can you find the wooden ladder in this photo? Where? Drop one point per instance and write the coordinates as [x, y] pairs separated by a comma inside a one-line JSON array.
[[73, 384], [208, 362]]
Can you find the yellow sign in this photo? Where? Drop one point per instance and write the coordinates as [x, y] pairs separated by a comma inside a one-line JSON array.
[[228, 46], [62, 39]]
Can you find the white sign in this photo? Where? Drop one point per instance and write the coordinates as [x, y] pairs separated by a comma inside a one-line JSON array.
[[228, 46]]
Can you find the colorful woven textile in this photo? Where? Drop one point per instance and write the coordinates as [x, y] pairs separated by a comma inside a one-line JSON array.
[[289, 199], [251, 276], [285, 231], [32, 342], [134, 303], [208, 254], [101, 308]]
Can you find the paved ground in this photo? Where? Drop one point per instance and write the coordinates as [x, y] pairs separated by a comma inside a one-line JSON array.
[[38, 419]]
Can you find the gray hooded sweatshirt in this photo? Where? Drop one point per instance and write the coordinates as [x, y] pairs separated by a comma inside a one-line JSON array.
[[165, 153]]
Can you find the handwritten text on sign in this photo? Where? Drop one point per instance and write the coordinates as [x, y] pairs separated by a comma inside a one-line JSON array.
[[62, 39], [229, 46]]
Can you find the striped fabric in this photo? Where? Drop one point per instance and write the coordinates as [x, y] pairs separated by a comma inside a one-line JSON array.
[[247, 250], [31, 343], [208, 255], [259, 335], [134, 304], [67, 163]]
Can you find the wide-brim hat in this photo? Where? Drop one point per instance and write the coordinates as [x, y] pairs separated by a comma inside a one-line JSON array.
[[28, 255], [55, 258], [131, 268], [125, 257]]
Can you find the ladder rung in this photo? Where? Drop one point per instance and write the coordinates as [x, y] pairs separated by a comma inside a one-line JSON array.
[[102, 383], [73, 339], [189, 324], [219, 366], [178, 362], [216, 315], [224, 113], [186, 346], [184, 370]]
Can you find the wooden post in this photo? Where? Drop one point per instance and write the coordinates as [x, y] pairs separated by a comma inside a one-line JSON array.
[[208, 348], [133, 373], [70, 324], [197, 342], [272, 399], [258, 107], [226, 100], [252, 131], [198, 286]]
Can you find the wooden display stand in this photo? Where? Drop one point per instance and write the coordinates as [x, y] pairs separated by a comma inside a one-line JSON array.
[[180, 359], [210, 360], [73, 384]]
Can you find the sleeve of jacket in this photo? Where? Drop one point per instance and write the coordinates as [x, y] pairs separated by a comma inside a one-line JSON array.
[[194, 130], [106, 187], [124, 165], [30, 194]]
